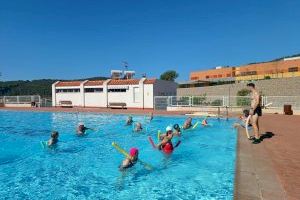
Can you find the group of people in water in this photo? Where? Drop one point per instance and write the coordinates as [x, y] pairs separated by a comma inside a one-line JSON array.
[[164, 139]]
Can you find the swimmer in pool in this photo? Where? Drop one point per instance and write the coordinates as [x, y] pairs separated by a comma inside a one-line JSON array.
[[177, 131], [166, 141], [131, 161], [151, 116], [138, 127], [54, 139], [81, 129], [188, 123], [129, 121], [242, 119], [204, 122]]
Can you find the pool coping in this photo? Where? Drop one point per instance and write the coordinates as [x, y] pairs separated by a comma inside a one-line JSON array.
[[255, 177]]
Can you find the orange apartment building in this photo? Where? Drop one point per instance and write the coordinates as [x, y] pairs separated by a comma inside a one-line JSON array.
[[287, 67]]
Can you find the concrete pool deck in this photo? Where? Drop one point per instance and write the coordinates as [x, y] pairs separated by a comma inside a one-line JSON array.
[[269, 170]]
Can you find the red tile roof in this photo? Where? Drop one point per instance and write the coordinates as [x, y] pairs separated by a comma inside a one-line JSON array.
[[94, 83], [124, 82], [150, 81], [100, 82], [69, 83]]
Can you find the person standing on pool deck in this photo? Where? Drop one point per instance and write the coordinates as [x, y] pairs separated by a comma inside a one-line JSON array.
[[255, 112]]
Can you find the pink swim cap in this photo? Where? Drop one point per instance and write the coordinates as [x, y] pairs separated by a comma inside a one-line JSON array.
[[133, 151]]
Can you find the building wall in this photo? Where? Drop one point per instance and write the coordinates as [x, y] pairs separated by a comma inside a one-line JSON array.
[[148, 96], [124, 97], [212, 73], [165, 88], [95, 99], [145, 94], [74, 97], [275, 69], [272, 87]]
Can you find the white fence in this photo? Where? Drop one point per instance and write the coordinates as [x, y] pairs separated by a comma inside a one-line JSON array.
[[162, 102], [21, 99]]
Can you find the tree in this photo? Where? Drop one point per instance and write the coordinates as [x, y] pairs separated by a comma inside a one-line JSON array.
[[169, 75]]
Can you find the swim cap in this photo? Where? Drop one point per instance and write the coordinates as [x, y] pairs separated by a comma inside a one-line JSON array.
[[176, 126], [133, 151], [169, 128], [80, 124]]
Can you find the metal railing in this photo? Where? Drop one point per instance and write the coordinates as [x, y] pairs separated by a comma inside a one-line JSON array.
[[36, 99], [162, 102], [46, 102]]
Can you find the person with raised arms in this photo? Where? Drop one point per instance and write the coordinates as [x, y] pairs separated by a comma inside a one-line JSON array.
[[177, 130], [165, 143]]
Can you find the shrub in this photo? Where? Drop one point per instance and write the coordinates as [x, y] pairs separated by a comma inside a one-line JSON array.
[[242, 98], [217, 102]]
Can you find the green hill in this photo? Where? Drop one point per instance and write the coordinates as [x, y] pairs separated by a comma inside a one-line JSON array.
[[35, 87]]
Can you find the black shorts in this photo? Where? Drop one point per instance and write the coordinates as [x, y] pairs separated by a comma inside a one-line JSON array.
[[258, 111]]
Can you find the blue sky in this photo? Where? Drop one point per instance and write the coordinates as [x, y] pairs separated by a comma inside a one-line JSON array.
[[68, 39]]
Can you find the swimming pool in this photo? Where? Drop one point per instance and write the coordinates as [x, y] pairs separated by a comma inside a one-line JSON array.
[[202, 167]]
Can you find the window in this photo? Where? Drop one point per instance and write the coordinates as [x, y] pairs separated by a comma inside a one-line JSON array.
[[194, 78], [90, 90], [293, 69], [67, 90], [228, 75], [116, 90], [248, 73], [220, 76], [207, 77]]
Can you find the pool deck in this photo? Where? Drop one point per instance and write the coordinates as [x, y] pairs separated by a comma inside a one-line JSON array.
[[266, 171], [270, 170]]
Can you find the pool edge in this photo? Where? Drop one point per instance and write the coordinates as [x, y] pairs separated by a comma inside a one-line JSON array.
[[255, 177]]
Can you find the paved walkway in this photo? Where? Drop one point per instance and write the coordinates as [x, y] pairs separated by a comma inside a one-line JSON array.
[[270, 170]]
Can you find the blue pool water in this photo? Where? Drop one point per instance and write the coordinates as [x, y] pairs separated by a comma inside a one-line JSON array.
[[202, 167]]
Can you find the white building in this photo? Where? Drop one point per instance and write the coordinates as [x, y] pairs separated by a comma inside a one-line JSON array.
[[135, 93]]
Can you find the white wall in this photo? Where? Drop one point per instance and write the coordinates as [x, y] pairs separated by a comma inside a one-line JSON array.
[[148, 96], [95, 99], [124, 97], [98, 99], [74, 97]]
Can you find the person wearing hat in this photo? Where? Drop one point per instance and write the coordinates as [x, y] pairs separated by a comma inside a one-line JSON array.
[[177, 130], [81, 129], [129, 162], [166, 141]]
